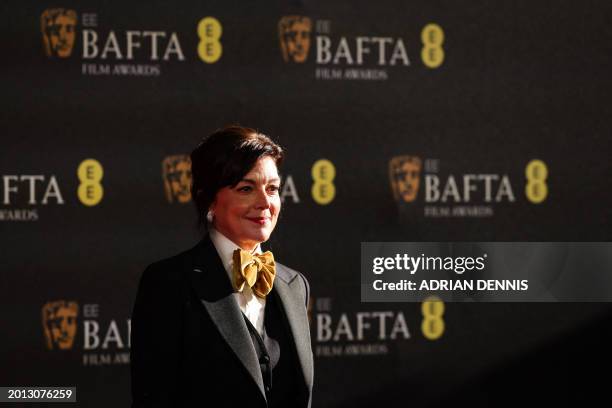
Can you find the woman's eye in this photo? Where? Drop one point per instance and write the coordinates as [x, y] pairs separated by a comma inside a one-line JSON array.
[[273, 188], [245, 189]]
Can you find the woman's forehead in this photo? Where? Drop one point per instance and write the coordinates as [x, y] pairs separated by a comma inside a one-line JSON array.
[[264, 170]]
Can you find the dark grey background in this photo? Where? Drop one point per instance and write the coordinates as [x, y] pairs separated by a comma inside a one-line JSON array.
[[521, 80]]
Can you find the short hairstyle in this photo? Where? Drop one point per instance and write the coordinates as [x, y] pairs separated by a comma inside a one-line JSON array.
[[223, 159]]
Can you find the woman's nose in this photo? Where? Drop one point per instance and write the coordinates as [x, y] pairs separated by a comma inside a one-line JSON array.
[[263, 200]]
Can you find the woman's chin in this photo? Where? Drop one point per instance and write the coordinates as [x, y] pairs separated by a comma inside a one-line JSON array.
[[260, 235]]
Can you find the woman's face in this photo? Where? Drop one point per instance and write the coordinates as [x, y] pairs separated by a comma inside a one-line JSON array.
[[247, 213]]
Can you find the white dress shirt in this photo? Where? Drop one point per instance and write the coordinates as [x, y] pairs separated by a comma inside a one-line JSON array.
[[252, 306]]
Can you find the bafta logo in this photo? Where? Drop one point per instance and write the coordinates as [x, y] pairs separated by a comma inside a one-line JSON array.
[[58, 31], [404, 172], [294, 36], [176, 172], [59, 320]]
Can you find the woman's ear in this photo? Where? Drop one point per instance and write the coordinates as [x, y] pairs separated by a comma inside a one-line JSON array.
[[210, 215]]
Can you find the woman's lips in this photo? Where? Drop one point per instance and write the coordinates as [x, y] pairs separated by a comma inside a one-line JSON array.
[[258, 220]]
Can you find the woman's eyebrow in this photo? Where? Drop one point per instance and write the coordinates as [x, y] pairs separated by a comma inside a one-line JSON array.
[[251, 181]]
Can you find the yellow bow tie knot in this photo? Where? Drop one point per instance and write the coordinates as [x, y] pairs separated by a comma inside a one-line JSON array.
[[255, 270]]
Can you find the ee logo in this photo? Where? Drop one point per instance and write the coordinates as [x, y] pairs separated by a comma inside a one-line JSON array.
[[432, 325], [90, 173], [323, 189], [210, 48], [536, 189], [432, 53]]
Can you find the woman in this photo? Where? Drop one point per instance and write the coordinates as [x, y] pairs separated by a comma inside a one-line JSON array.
[[223, 324]]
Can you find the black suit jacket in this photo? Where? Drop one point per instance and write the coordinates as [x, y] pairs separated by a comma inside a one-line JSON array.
[[190, 345]]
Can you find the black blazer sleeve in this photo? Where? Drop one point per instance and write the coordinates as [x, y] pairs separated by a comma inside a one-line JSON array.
[[156, 337]]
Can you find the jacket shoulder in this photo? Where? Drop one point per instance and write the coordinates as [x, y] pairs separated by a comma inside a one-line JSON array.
[[168, 270], [289, 275]]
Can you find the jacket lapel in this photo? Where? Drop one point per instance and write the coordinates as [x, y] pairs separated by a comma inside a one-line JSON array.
[[286, 286], [215, 291]]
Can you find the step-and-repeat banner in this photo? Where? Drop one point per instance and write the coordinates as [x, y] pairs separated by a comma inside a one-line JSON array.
[[402, 121]]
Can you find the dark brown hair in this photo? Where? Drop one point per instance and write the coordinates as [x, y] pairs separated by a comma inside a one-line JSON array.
[[223, 159]]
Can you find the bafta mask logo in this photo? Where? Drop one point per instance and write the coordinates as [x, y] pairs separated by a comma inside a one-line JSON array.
[[176, 172], [58, 31], [59, 319], [404, 174], [294, 36]]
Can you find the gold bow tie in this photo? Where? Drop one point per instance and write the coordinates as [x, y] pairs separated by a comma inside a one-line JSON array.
[[255, 270]]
